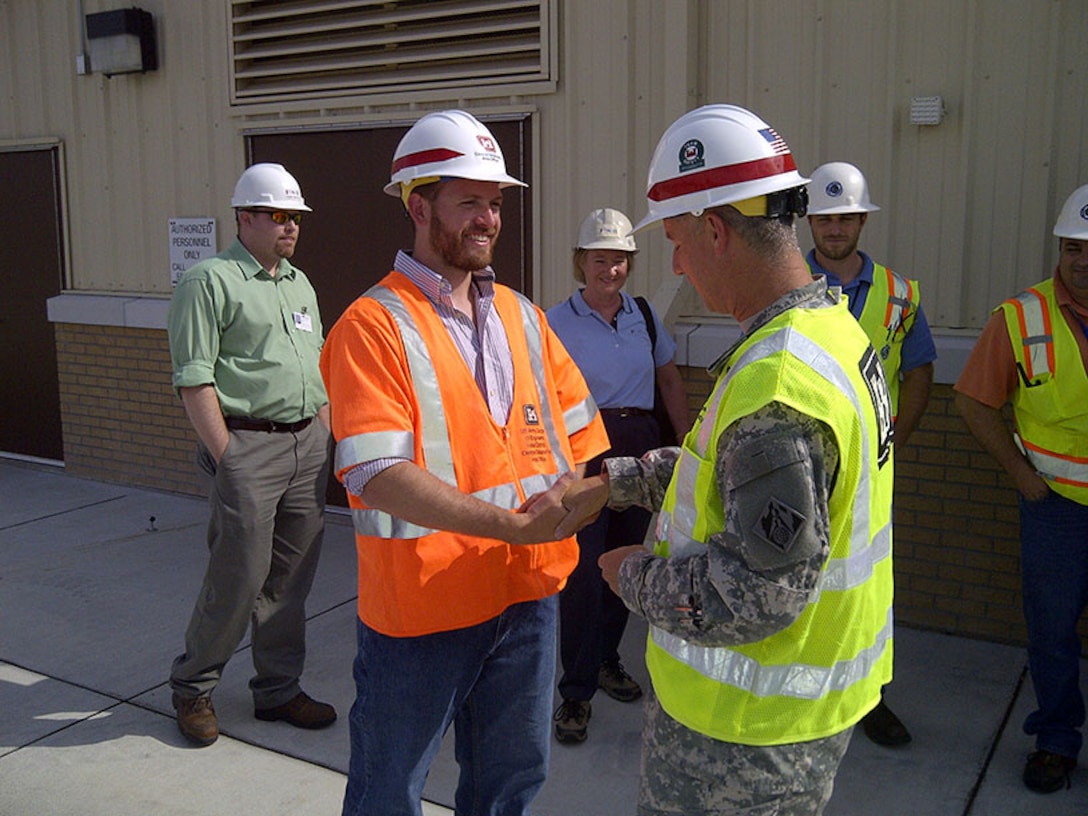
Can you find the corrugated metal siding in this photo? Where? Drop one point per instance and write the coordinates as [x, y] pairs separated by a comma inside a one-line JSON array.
[[967, 205], [140, 149]]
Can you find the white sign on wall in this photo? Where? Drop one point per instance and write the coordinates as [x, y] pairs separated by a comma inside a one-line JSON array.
[[191, 240]]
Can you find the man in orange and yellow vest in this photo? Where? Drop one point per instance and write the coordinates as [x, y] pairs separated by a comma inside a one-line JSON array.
[[459, 419], [1033, 353], [889, 309]]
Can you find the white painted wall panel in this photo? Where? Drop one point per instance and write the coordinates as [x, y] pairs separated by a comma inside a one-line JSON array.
[[967, 205]]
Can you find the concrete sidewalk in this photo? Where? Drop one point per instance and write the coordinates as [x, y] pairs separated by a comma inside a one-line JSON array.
[[96, 585]]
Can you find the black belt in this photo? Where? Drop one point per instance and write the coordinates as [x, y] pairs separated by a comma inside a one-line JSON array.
[[625, 412], [237, 423]]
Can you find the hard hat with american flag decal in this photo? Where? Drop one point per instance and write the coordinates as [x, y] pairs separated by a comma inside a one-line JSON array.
[[722, 154]]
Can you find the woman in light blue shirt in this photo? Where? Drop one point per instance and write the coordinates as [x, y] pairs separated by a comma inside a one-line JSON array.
[[623, 350]]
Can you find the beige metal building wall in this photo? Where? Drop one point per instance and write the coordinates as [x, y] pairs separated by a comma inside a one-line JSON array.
[[139, 149], [968, 204]]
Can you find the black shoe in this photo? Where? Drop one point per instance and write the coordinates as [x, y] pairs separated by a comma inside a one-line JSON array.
[[884, 728], [1047, 772], [571, 719], [617, 683], [301, 711]]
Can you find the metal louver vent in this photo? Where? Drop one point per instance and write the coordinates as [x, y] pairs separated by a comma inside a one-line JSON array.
[[283, 49]]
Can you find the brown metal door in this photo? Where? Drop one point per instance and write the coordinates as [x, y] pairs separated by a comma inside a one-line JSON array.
[[349, 241], [32, 272]]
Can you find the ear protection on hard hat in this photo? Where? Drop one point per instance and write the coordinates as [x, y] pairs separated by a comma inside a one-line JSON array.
[[785, 203]]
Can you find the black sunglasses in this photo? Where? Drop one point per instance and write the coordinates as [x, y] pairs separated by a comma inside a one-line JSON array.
[[281, 217]]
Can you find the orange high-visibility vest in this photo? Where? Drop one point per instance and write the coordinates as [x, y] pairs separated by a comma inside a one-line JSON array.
[[399, 387]]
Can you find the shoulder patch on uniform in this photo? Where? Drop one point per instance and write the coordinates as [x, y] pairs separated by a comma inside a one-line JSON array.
[[779, 525]]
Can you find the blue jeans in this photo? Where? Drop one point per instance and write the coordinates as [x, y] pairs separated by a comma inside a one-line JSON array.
[[1054, 557], [492, 681]]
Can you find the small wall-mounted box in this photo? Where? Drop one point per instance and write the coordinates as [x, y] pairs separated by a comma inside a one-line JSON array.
[[926, 110], [121, 41]]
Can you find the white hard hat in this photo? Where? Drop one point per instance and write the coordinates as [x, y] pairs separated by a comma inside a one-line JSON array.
[[1073, 220], [268, 185], [447, 144], [838, 188], [715, 155], [606, 229]]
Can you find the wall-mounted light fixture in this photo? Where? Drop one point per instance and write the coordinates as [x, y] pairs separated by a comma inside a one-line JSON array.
[[926, 110], [121, 41]]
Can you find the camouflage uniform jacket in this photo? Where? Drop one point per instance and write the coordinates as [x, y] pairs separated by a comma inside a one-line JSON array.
[[740, 589]]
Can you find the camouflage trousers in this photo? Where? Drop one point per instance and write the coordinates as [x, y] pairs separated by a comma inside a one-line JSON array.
[[685, 772]]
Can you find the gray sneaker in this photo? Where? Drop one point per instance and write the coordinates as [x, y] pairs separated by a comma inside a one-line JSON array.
[[617, 683], [571, 719]]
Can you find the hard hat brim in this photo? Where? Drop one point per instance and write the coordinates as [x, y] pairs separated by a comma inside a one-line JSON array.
[[845, 210], [393, 187]]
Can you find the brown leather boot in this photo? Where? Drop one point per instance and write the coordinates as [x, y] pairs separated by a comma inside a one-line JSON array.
[[196, 719]]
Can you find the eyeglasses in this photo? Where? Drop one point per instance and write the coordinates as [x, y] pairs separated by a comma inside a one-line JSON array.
[[280, 216]]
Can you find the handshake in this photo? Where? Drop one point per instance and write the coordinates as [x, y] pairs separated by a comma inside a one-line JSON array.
[[562, 510], [568, 506]]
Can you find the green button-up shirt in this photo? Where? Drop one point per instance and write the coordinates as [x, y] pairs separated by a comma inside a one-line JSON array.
[[256, 337]]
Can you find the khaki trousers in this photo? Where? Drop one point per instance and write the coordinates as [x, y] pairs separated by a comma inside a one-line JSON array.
[[267, 502]]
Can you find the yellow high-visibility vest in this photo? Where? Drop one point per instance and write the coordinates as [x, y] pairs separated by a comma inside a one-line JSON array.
[[823, 672], [1051, 404], [889, 312]]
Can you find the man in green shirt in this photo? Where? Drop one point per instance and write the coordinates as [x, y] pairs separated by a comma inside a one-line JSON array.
[[245, 338]]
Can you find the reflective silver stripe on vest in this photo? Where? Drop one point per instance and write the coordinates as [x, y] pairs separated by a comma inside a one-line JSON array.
[[579, 416], [377, 524], [839, 573], [533, 339], [433, 429], [432, 420], [1036, 342], [1054, 466], [898, 300], [802, 681], [352, 450]]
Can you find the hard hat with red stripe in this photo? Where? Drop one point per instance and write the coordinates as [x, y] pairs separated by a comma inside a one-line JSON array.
[[447, 144], [722, 154]]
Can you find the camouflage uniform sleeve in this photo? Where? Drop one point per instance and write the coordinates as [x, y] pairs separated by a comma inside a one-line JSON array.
[[774, 471], [640, 481]]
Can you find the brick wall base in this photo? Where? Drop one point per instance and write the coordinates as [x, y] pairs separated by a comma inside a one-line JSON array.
[[956, 541], [120, 417]]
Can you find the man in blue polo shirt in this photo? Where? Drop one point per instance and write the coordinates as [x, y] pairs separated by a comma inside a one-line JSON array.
[[889, 309]]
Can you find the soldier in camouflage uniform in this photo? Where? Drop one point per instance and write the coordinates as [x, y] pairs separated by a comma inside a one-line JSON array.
[[769, 593]]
